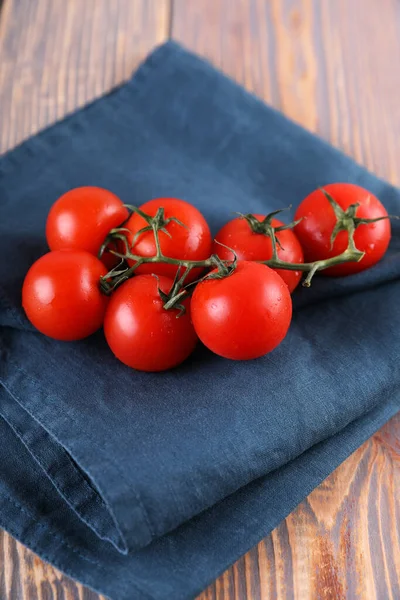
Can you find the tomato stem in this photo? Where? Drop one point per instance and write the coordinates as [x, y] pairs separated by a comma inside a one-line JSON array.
[[345, 221]]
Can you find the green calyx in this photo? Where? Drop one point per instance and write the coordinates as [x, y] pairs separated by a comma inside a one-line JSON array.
[[346, 220], [265, 226], [156, 224]]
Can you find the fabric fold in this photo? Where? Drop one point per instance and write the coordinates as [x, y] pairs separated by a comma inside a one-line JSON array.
[[147, 468], [68, 479]]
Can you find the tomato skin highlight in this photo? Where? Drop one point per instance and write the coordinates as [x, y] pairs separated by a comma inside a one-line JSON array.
[[248, 245], [61, 295], [141, 333], [192, 242], [82, 218], [244, 315], [318, 221]]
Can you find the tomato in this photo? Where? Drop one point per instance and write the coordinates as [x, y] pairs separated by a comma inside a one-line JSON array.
[[318, 222], [244, 315], [248, 245], [82, 218], [141, 333], [192, 242], [61, 294]]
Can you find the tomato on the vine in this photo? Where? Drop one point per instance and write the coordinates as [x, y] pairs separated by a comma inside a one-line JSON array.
[[318, 221], [141, 332], [189, 242], [82, 218], [248, 245], [61, 294], [244, 315]]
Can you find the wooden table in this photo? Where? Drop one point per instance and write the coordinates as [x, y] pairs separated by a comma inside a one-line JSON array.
[[333, 66]]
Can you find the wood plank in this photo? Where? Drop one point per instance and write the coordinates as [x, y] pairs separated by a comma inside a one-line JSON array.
[[56, 55], [328, 66], [342, 543], [333, 68], [23, 576]]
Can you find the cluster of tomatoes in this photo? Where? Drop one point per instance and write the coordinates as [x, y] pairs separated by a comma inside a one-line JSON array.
[[241, 316]]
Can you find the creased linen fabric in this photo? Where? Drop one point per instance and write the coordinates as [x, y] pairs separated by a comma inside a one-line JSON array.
[[150, 485]]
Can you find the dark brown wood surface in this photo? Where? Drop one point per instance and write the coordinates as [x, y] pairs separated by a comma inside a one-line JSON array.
[[333, 66]]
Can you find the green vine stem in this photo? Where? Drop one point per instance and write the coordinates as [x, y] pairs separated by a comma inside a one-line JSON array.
[[345, 221]]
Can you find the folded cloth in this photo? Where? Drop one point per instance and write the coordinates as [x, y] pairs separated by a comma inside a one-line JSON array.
[[150, 485]]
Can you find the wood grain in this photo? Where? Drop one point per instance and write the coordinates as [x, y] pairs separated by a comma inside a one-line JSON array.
[[23, 576], [333, 67], [56, 55], [343, 542]]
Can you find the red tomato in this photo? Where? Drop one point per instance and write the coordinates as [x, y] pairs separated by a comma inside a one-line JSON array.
[[61, 294], [141, 333], [244, 315], [82, 218], [315, 229], [192, 242], [238, 235]]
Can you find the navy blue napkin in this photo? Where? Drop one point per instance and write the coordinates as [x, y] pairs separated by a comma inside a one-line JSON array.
[[150, 485]]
